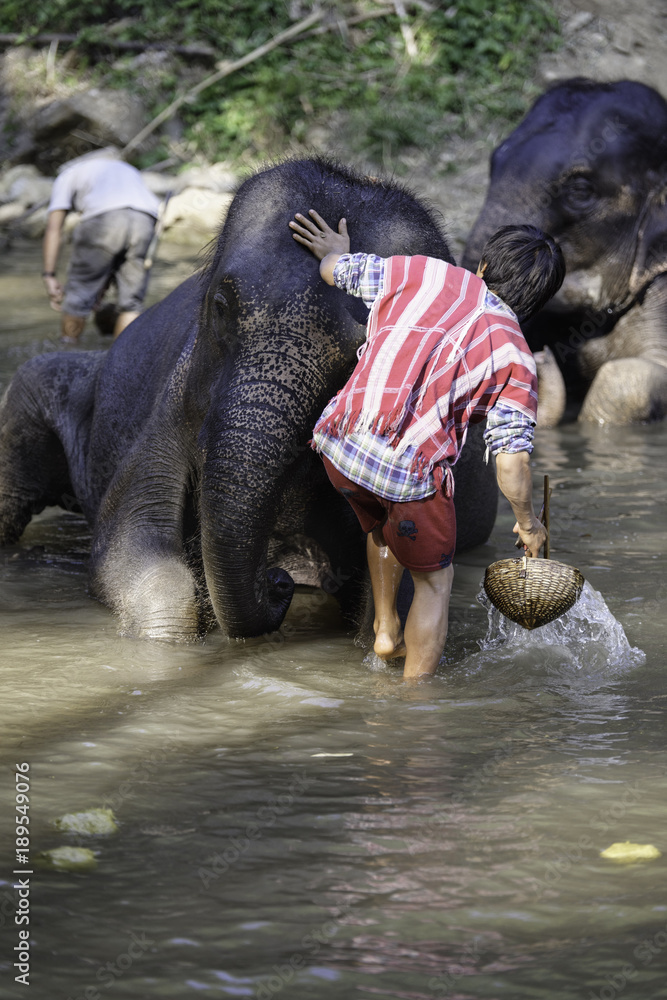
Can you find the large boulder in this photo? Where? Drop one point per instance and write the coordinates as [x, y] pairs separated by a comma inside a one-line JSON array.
[[24, 196], [66, 128], [195, 215], [24, 186]]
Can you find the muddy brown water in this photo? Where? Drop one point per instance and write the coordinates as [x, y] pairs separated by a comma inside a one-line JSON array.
[[295, 822]]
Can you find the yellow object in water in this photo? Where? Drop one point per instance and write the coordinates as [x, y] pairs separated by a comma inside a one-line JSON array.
[[626, 851], [94, 823], [69, 859]]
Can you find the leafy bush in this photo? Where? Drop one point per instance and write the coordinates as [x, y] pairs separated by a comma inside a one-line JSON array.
[[458, 67]]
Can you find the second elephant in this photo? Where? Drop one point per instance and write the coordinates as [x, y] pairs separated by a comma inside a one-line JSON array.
[[588, 164]]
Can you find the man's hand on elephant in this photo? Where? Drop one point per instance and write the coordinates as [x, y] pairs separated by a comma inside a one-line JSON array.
[[55, 292], [320, 239], [533, 538]]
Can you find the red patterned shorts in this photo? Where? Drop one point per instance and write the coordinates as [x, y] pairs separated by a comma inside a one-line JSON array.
[[420, 533]]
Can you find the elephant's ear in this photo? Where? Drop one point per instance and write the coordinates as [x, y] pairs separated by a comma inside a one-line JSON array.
[[651, 253]]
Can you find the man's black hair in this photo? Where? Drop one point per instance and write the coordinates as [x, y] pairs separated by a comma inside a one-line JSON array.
[[524, 267]]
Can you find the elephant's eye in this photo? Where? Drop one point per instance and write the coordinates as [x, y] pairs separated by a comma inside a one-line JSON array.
[[578, 191], [226, 297]]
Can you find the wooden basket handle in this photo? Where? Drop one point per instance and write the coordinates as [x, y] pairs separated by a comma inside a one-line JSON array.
[[543, 516]]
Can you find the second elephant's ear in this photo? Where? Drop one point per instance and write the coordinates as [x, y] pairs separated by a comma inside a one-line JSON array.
[[651, 252]]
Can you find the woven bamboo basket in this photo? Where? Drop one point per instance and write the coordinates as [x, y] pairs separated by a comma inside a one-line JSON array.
[[533, 592]]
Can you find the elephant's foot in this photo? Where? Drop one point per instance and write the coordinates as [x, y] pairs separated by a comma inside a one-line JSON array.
[[159, 602], [626, 390], [551, 394]]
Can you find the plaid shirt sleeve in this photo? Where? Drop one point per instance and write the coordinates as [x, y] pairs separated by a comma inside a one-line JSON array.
[[361, 275], [508, 430]]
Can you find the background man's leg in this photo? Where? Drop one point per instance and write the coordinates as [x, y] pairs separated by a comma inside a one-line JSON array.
[[124, 319]]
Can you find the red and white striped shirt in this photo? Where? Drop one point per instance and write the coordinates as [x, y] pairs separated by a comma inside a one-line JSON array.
[[438, 356]]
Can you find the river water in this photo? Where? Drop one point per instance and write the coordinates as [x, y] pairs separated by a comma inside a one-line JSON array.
[[295, 822]]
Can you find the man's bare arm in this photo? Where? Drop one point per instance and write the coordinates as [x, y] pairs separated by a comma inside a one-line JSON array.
[[515, 481], [50, 251]]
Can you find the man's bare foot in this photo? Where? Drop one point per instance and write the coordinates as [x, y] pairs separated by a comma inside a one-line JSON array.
[[387, 646], [71, 328]]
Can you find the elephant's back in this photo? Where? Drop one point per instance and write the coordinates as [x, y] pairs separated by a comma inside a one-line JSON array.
[[139, 369], [141, 360]]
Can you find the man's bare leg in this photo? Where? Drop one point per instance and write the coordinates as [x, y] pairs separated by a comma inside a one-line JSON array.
[[427, 622], [386, 573], [71, 328], [124, 319]]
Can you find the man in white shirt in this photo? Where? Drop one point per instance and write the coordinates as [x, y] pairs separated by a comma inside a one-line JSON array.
[[118, 215]]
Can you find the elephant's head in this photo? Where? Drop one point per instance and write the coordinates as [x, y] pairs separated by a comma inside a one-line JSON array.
[[588, 164]]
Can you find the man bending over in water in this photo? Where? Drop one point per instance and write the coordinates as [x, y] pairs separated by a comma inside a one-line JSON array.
[[443, 348]]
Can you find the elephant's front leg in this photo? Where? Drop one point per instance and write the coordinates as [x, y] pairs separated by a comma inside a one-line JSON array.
[[152, 593], [138, 561], [628, 390], [42, 430], [551, 392], [630, 365], [33, 467]]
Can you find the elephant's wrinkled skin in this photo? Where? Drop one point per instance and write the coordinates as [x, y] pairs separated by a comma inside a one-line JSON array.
[[588, 164], [186, 444]]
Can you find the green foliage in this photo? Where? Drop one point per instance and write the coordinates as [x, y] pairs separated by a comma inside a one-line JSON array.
[[450, 68]]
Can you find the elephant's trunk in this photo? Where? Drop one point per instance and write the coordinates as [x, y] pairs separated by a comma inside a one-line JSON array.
[[241, 487], [255, 443], [248, 599]]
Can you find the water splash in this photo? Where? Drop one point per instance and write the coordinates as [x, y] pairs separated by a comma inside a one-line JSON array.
[[588, 631]]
